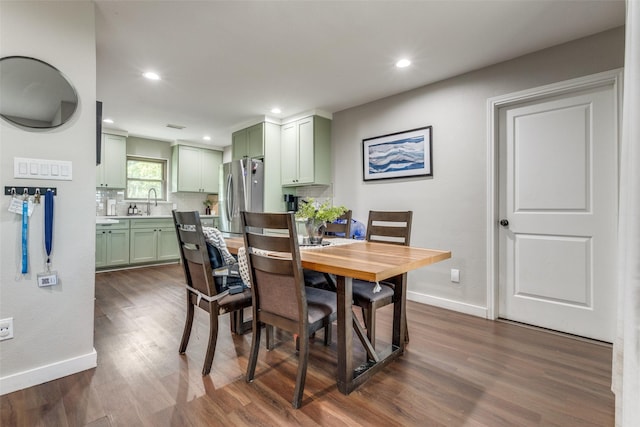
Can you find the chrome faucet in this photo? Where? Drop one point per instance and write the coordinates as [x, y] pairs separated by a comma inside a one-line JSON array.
[[155, 199]]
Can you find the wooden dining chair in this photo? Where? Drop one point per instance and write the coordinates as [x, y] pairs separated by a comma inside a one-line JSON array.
[[382, 227], [201, 285], [342, 228], [280, 297]]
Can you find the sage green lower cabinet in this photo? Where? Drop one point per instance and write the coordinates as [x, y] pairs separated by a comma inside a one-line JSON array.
[[209, 221], [112, 244], [153, 241]]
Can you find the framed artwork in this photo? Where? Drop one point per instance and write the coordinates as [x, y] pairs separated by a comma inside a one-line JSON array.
[[398, 155]]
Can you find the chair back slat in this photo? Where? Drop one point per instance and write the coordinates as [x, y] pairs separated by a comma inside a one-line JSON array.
[[390, 227], [276, 242]]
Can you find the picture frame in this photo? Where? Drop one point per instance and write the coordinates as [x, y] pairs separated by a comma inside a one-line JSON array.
[[398, 155]]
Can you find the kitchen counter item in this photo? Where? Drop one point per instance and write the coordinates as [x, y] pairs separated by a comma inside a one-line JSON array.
[[111, 207]]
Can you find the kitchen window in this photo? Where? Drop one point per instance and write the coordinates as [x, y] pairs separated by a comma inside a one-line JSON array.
[[143, 174]]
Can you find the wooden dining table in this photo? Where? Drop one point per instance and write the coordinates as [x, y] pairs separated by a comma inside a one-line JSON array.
[[371, 262]]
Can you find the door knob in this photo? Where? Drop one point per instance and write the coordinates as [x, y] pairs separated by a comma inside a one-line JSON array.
[[504, 222]]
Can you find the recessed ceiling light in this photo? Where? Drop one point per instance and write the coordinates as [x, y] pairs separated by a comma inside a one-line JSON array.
[[206, 138], [403, 63], [108, 121], [276, 110], [151, 75]]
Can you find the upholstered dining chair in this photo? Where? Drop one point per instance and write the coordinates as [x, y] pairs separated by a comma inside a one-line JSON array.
[[201, 285], [280, 297], [342, 228], [382, 227]]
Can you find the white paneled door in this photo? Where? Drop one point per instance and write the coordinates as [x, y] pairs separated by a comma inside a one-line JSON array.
[[558, 212]]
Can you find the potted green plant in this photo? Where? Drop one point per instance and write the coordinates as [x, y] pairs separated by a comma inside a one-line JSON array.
[[317, 216]]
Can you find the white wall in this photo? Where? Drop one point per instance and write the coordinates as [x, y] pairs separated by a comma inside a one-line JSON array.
[[53, 327], [450, 208]]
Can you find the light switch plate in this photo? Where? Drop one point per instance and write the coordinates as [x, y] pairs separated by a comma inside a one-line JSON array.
[[60, 170]]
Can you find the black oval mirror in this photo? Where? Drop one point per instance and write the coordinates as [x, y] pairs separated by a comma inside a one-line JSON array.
[[34, 94]]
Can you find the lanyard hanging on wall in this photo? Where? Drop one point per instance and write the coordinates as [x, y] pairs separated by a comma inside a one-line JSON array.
[[25, 236], [48, 226]]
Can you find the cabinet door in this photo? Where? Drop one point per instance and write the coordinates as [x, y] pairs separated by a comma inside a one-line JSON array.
[[239, 144], [210, 166], [305, 151], [111, 172], [167, 244], [143, 245], [188, 168], [117, 247], [101, 248], [289, 155], [255, 141]]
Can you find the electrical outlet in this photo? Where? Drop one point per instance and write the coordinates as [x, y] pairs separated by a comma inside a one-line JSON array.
[[6, 328], [455, 275]]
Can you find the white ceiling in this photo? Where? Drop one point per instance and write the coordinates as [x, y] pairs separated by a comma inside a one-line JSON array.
[[224, 64]]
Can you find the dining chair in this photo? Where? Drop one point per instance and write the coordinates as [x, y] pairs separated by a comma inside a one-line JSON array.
[[201, 287], [341, 228], [280, 298], [382, 227]]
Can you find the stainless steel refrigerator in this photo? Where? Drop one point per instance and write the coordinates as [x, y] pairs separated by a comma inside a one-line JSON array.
[[241, 189]]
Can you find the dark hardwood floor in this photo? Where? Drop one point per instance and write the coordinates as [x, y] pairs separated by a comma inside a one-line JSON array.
[[458, 370]]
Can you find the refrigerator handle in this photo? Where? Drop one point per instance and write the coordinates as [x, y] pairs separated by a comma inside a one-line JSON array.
[[229, 201]]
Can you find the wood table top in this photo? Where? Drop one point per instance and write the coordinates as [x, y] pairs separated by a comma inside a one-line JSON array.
[[362, 260]]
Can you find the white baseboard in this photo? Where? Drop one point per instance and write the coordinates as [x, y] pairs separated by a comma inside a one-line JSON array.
[[458, 306], [46, 373]]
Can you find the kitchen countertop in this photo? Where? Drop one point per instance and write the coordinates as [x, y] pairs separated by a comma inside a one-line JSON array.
[[114, 219]]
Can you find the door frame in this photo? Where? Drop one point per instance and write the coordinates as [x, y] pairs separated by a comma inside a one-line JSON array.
[[606, 78]]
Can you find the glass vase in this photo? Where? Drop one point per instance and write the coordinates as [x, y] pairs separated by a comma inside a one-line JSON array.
[[315, 230]]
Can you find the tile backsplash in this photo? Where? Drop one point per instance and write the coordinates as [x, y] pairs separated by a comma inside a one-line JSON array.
[[182, 201], [185, 201]]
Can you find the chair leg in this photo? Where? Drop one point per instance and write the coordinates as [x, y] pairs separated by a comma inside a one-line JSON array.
[[187, 325], [303, 358], [213, 338], [270, 337], [255, 346], [370, 322], [233, 322], [327, 334], [406, 331]]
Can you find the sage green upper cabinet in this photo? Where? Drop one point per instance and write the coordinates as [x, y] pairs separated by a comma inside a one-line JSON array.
[[195, 169], [306, 152], [111, 172], [248, 142]]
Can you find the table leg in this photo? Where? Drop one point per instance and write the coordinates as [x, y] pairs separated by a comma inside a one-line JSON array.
[[345, 334], [399, 311]]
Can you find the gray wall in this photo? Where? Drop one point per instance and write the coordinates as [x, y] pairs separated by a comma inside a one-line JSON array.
[[53, 327], [450, 208]]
